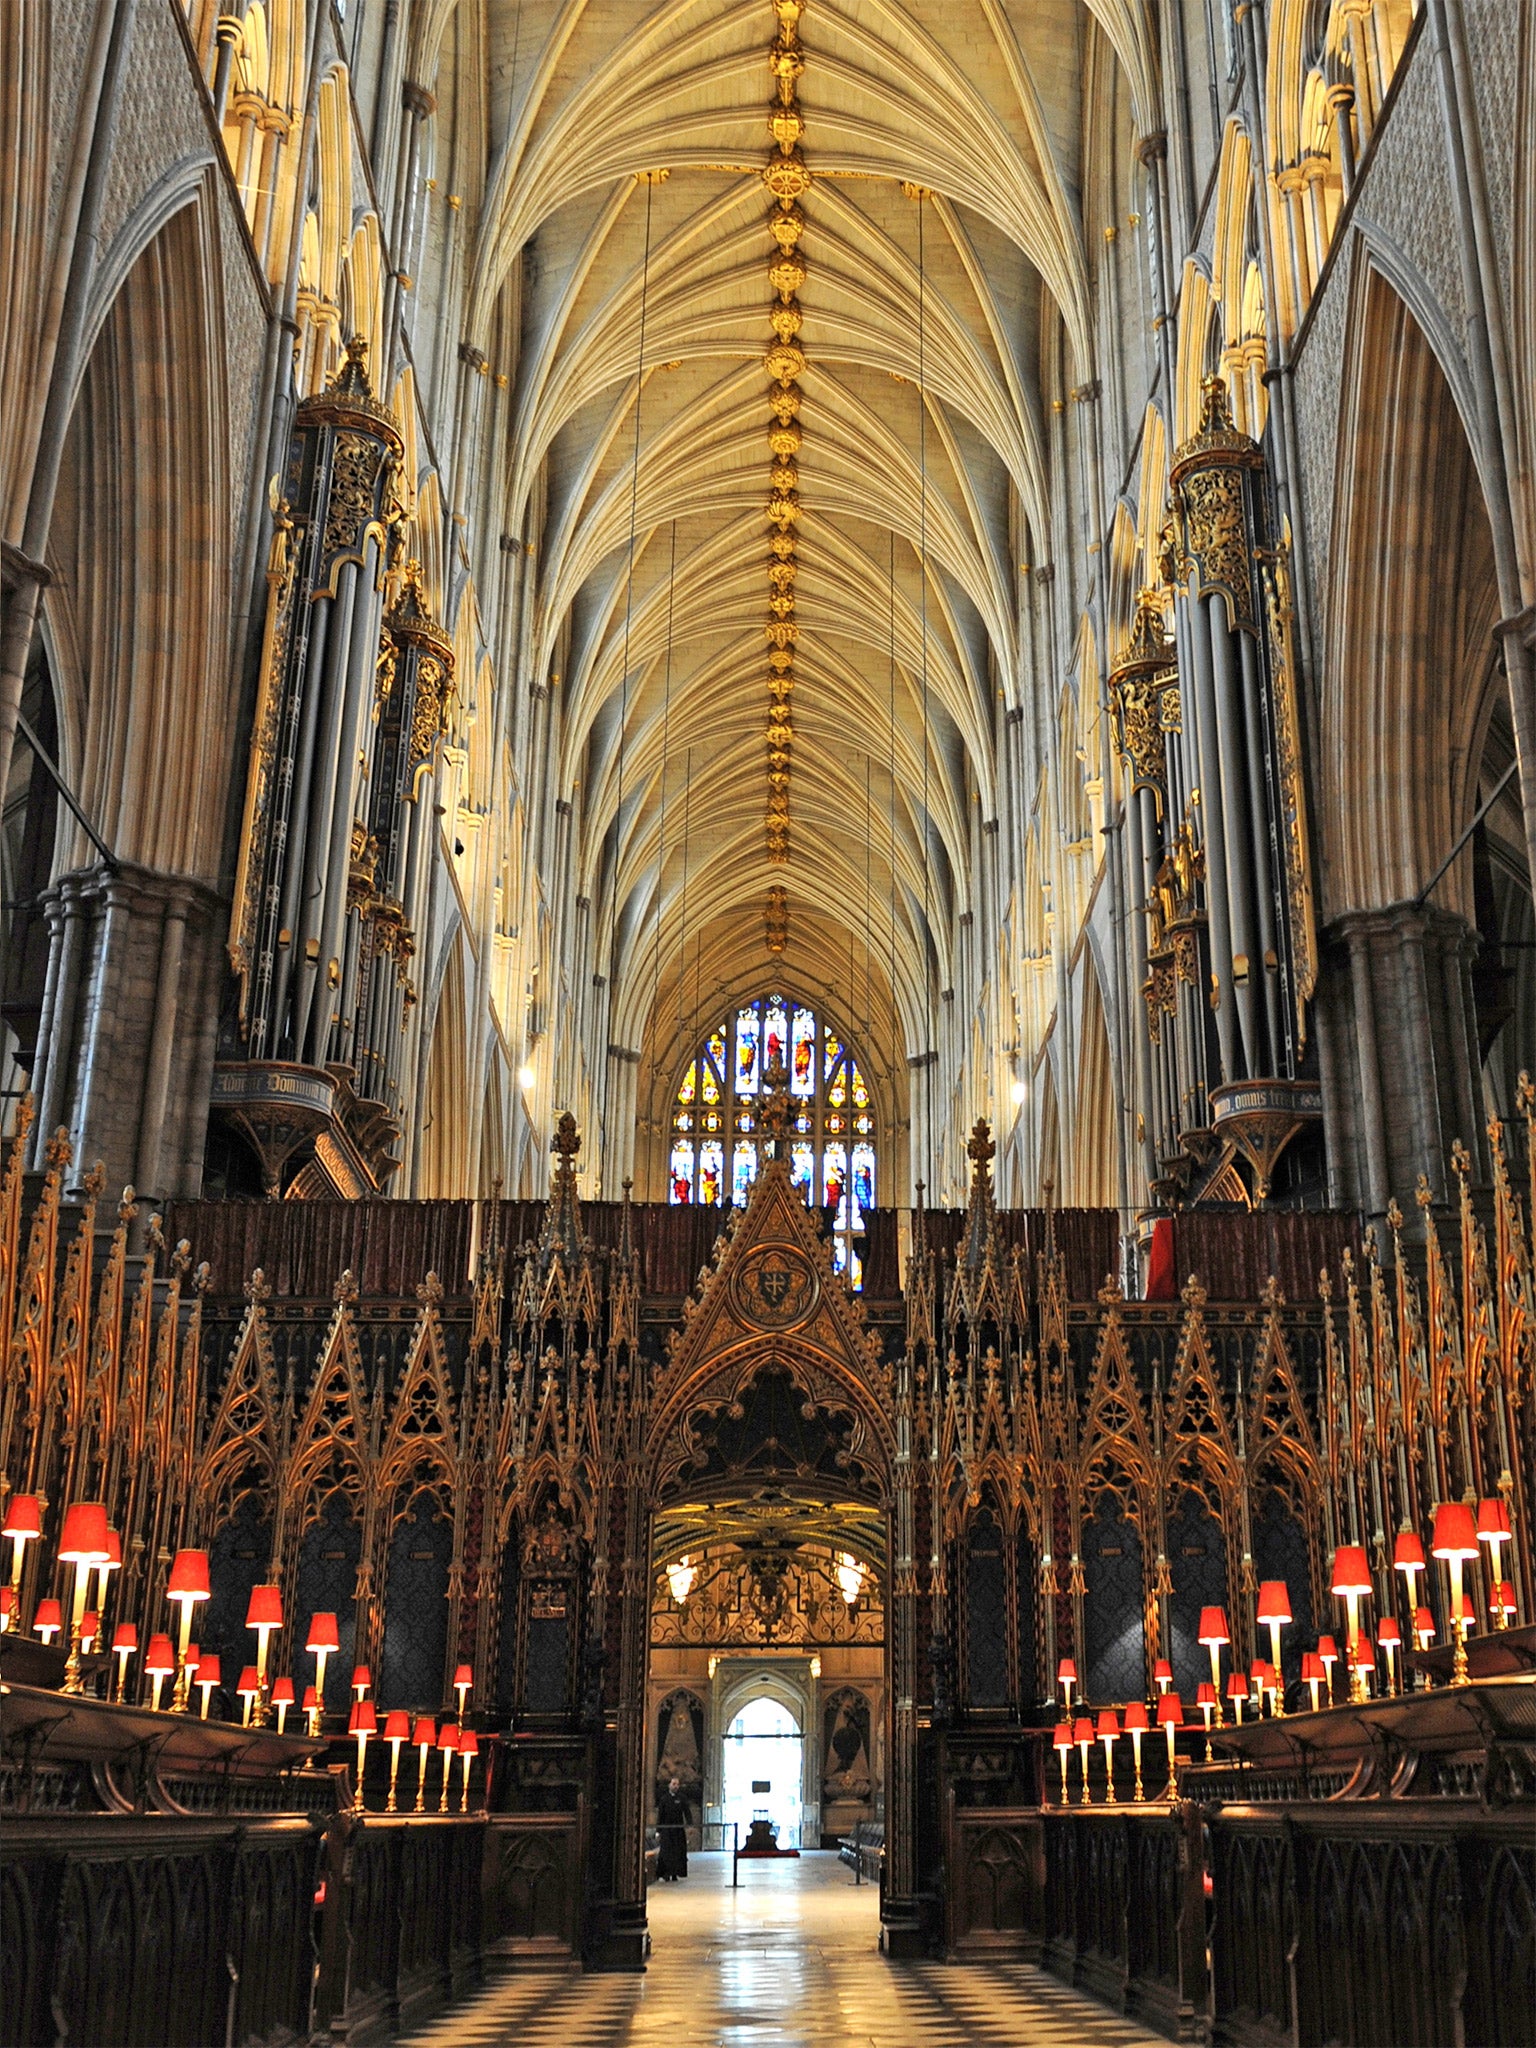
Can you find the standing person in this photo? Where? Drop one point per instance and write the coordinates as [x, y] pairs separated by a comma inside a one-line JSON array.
[[672, 1826]]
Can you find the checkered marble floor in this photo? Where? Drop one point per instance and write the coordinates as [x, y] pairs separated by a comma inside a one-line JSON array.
[[787, 1961]]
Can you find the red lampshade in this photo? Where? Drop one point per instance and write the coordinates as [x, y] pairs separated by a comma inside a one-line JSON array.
[[1423, 1622], [1082, 1729], [48, 1615], [265, 1609], [1408, 1552], [90, 1627], [1312, 1666], [397, 1727], [125, 1636], [448, 1738], [159, 1658], [1503, 1601], [1205, 1694], [1170, 1711], [193, 1657], [8, 1604], [1468, 1613], [1387, 1631], [1213, 1625], [1162, 1670], [1062, 1739], [24, 1517], [425, 1731], [1066, 1669], [1493, 1521], [1237, 1687], [464, 1675], [322, 1633], [1109, 1723], [1455, 1530], [1274, 1601], [113, 1561], [189, 1576], [1136, 1721], [311, 1700], [84, 1540], [1365, 1653], [282, 1692], [209, 1670], [363, 1720], [1351, 1571], [1263, 1672], [469, 1742], [1327, 1650], [362, 1678], [249, 1684]]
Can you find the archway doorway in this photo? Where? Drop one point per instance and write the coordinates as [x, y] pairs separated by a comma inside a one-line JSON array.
[[762, 1773]]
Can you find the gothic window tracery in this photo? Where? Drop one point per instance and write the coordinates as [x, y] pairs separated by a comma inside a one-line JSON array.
[[716, 1119]]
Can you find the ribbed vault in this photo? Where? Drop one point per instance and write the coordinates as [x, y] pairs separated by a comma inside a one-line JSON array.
[[943, 248]]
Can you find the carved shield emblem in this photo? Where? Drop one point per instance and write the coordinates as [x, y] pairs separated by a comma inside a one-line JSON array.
[[775, 1287]]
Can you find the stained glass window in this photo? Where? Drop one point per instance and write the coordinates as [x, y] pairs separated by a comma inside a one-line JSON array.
[[715, 1118]]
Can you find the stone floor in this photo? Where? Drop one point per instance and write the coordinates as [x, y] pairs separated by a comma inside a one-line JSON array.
[[787, 1961]]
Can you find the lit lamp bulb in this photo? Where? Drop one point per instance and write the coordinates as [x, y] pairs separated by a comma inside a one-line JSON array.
[[397, 1732], [1237, 1692], [680, 1578], [248, 1691], [1493, 1529], [263, 1614], [1351, 1583], [1423, 1627], [1389, 1637], [209, 1674], [282, 1700], [187, 1585], [1137, 1724], [323, 1638], [1455, 1541], [1066, 1678], [159, 1663], [850, 1578], [1408, 1558], [463, 1685], [469, 1749], [1327, 1656], [1365, 1666], [1061, 1741], [1205, 1700], [362, 1722], [1109, 1735], [125, 1642], [106, 1566], [1214, 1633], [23, 1525], [1275, 1614], [1170, 1718], [1312, 1674], [90, 1629], [83, 1544], [447, 1748], [1082, 1735], [362, 1681], [1162, 1675], [423, 1736]]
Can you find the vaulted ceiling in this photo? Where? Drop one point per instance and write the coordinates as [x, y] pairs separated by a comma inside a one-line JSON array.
[[937, 228]]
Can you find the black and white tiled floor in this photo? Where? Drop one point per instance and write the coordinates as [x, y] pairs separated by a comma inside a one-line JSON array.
[[787, 1961]]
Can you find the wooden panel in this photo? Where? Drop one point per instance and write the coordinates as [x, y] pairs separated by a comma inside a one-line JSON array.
[[533, 1883], [995, 1879]]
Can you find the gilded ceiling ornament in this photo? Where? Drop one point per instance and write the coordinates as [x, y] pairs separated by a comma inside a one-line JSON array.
[[785, 320], [784, 403], [785, 362], [784, 441], [784, 476], [786, 226]]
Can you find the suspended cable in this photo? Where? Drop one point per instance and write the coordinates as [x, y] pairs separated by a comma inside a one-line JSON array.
[[930, 1053], [666, 734], [629, 596]]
